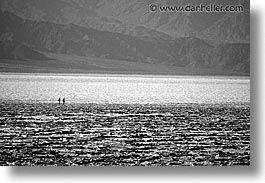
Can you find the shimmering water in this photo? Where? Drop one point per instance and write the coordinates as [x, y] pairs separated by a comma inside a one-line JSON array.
[[123, 89]]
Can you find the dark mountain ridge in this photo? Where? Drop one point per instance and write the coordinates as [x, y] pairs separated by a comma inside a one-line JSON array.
[[188, 52], [134, 18]]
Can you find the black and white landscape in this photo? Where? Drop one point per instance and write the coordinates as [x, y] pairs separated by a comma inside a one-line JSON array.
[[140, 87]]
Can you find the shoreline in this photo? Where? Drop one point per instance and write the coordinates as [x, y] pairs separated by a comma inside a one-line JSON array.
[[143, 104], [124, 74]]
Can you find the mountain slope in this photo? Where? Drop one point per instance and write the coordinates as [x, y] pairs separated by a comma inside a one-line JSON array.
[[187, 52], [134, 18], [10, 49]]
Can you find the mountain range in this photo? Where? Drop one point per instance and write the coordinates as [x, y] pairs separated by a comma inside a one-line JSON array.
[[121, 36]]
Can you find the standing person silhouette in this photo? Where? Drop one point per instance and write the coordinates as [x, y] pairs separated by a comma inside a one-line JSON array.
[[63, 101], [59, 100]]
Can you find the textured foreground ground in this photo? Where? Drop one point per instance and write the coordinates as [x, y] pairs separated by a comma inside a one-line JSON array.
[[93, 134]]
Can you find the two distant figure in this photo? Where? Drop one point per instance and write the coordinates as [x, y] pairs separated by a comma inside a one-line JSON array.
[[59, 100]]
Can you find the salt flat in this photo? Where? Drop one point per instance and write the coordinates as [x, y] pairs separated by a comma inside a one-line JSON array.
[[124, 134]]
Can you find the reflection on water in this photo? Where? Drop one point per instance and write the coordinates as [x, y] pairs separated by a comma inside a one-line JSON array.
[[124, 89]]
